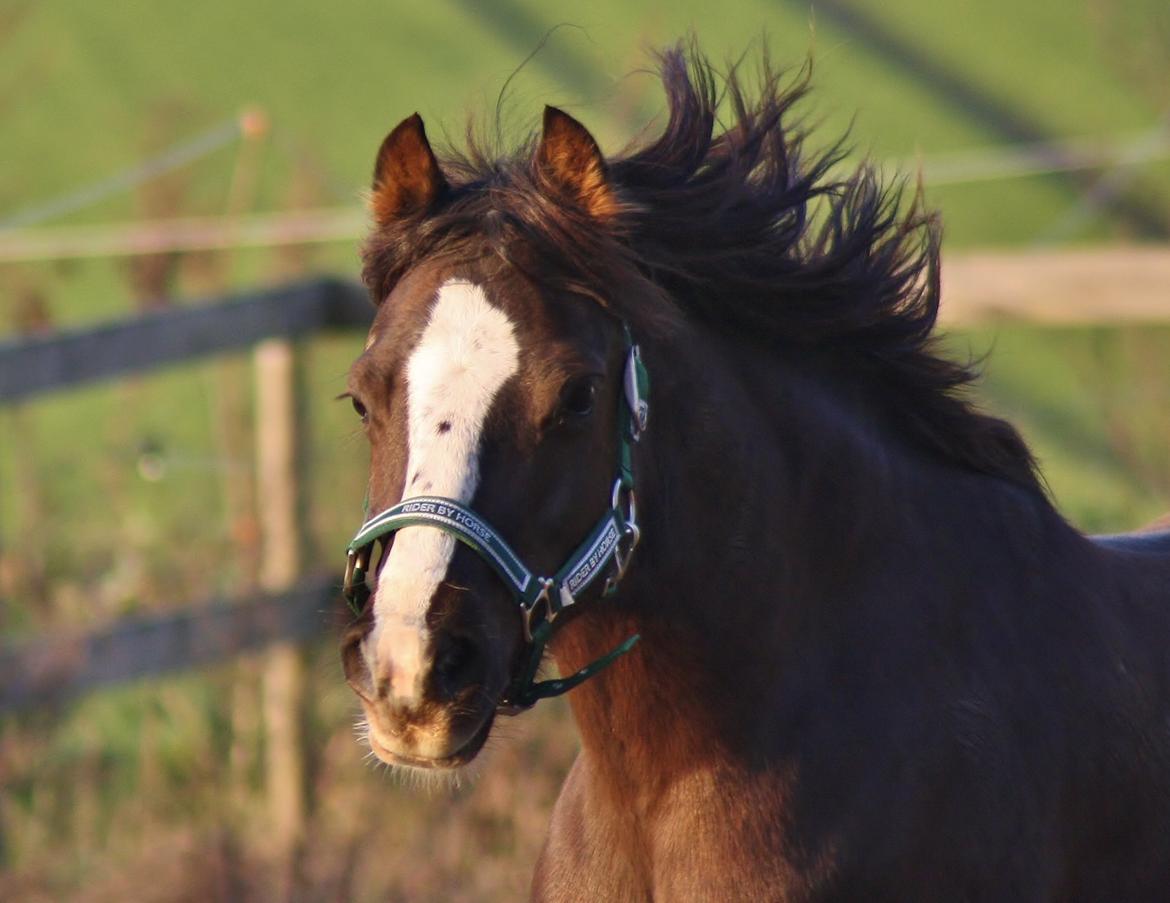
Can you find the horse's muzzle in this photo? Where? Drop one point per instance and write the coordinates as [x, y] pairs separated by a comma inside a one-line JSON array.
[[426, 701]]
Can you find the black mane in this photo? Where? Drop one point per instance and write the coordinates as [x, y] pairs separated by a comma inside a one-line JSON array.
[[745, 232]]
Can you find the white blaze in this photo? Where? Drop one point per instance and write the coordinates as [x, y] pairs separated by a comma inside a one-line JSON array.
[[467, 351]]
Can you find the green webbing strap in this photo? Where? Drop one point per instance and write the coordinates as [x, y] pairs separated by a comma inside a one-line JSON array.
[[532, 690], [584, 565], [451, 517], [559, 592], [588, 560]]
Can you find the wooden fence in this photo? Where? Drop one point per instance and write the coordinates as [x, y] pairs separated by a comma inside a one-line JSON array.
[[37, 366], [59, 666], [1049, 287], [54, 668], [1058, 287]]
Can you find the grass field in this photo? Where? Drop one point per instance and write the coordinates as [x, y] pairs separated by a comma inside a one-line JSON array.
[[151, 780], [86, 89]]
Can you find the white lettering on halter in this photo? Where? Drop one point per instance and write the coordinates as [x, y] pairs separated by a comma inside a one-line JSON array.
[[467, 352]]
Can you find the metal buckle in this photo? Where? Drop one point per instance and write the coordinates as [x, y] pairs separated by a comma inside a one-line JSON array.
[[546, 585], [621, 559], [639, 407]]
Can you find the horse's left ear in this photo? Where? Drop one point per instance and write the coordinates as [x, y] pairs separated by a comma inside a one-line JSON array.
[[570, 159]]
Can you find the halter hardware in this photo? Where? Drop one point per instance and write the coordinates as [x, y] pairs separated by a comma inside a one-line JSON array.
[[541, 599], [628, 541]]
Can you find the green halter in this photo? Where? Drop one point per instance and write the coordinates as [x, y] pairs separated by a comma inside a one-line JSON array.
[[541, 599]]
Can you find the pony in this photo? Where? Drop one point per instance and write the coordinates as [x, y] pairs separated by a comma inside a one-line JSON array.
[[845, 646]]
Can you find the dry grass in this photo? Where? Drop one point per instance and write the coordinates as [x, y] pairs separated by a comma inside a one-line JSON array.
[[196, 834]]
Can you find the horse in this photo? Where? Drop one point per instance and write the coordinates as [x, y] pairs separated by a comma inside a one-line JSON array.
[[679, 415]]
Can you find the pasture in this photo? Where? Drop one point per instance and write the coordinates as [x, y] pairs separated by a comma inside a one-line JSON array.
[[126, 497]]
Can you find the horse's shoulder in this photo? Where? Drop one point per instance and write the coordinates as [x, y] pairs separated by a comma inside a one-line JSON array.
[[583, 859]]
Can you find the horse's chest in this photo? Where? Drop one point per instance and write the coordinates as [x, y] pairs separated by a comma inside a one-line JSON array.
[[687, 848], [589, 854]]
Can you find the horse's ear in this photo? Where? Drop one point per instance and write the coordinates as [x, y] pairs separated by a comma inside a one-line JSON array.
[[407, 178], [570, 158]]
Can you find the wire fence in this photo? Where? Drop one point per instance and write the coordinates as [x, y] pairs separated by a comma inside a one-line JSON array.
[[1117, 157], [128, 179]]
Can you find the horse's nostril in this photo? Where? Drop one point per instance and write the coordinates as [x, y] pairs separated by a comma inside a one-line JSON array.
[[457, 665]]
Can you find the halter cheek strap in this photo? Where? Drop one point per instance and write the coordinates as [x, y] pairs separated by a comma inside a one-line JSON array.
[[541, 599]]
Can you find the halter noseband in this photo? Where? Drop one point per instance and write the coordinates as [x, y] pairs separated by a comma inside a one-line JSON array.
[[541, 599]]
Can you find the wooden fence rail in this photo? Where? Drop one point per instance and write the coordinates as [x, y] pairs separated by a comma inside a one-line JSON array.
[[1058, 287], [42, 364], [55, 667]]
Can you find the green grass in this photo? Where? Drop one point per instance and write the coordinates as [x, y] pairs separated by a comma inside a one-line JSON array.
[[1092, 403], [87, 88]]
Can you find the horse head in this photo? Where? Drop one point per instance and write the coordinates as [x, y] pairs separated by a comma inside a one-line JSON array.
[[500, 400]]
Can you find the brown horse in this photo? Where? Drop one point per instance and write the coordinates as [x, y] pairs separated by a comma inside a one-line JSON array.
[[874, 663]]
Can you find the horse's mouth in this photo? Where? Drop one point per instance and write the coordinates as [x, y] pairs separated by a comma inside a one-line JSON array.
[[460, 757]]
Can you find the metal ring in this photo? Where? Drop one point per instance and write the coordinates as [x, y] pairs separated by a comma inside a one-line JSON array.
[[356, 560], [630, 515], [546, 584]]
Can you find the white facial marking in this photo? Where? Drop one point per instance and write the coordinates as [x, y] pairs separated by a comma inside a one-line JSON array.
[[466, 353]]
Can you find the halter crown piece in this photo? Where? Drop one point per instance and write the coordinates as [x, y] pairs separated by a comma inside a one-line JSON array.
[[541, 599]]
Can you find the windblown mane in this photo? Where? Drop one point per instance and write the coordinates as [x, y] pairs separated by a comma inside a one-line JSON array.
[[743, 231]]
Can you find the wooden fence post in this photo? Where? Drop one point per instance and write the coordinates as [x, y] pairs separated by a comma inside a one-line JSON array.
[[278, 433]]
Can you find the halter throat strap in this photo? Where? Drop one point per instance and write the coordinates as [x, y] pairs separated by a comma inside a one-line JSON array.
[[608, 546]]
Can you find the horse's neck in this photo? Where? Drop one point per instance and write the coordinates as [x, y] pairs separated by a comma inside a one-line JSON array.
[[770, 508]]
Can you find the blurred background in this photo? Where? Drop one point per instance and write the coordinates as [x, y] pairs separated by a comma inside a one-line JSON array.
[[173, 720]]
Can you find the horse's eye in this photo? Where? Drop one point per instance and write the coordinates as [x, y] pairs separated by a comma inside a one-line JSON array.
[[577, 397], [361, 410]]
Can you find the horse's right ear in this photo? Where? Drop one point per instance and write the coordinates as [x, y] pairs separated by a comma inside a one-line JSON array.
[[407, 178]]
